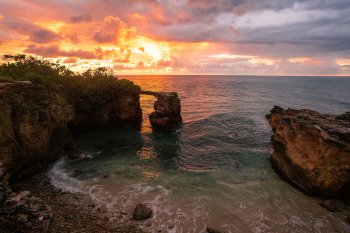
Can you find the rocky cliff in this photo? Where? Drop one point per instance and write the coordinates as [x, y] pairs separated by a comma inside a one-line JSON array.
[[120, 110], [311, 151], [36, 124], [33, 127]]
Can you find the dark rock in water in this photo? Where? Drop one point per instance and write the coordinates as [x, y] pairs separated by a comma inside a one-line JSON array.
[[333, 205], [212, 230], [311, 151], [142, 212], [167, 114]]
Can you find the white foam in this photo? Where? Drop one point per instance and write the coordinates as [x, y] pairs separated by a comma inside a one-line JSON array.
[[167, 216], [61, 180]]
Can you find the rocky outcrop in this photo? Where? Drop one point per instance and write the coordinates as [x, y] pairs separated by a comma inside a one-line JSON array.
[[142, 212], [167, 111], [311, 151], [33, 127]]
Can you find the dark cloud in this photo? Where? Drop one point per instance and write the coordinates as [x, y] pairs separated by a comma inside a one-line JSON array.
[[324, 29], [36, 33], [43, 36], [55, 51], [108, 31], [81, 18], [104, 37]]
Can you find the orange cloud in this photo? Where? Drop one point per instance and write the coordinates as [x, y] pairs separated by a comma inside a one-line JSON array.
[[156, 37], [305, 60]]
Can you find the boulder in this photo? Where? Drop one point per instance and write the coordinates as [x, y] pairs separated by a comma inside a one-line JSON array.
[[311, 151], [167, 112], [142, 212]]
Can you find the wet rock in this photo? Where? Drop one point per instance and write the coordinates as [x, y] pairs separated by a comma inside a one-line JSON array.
[[333, 205], [212, 230], [142, 212], [167, 112], [311, 151]]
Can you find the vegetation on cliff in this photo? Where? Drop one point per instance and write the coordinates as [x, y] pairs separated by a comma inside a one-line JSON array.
[[87, 91], [344, 116]]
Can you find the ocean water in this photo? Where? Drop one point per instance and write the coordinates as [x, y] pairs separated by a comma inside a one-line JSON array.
[[215, 170]]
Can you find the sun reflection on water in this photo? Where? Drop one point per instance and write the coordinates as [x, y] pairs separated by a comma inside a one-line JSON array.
[[149, 175], [146, 153]]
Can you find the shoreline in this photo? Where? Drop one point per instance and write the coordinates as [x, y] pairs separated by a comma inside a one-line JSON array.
[[72, 212]]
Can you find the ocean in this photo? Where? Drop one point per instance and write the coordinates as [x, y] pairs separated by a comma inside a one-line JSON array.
[[215, 170]]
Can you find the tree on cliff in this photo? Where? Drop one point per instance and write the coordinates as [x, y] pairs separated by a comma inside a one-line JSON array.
[[87, 90]]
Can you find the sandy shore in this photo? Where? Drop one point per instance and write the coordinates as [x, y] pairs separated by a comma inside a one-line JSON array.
[[72, 212]]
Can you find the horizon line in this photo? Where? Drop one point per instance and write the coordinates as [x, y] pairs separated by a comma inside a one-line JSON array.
[[246, 75]]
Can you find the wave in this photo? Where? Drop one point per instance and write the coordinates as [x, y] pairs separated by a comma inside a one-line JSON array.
[[167, 215]]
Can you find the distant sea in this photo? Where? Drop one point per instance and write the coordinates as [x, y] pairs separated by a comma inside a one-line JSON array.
[[214, 171]]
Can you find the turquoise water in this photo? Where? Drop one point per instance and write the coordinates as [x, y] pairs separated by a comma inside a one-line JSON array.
[[214, 171]]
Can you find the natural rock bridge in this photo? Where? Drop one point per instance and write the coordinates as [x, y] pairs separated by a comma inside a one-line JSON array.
[[167, 110]]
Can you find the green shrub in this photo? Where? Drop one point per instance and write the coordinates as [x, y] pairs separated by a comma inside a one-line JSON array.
[[344, 116], [87, 91]]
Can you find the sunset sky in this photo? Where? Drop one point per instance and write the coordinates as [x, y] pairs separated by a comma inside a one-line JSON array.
[[258, 37]]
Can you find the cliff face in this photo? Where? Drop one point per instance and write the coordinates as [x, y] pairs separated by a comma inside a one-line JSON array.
[[36, 124], [311, 151], [122, 109], [33, 127]]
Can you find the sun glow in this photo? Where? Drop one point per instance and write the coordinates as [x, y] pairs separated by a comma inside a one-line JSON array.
[[156, 50], [343, 62], [52, 25]]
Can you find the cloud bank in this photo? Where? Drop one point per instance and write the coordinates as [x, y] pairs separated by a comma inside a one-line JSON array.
[[268, 37]]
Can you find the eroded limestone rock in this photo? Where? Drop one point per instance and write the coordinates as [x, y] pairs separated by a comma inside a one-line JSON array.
[[311, 151], [167, 114], [33, 127]]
